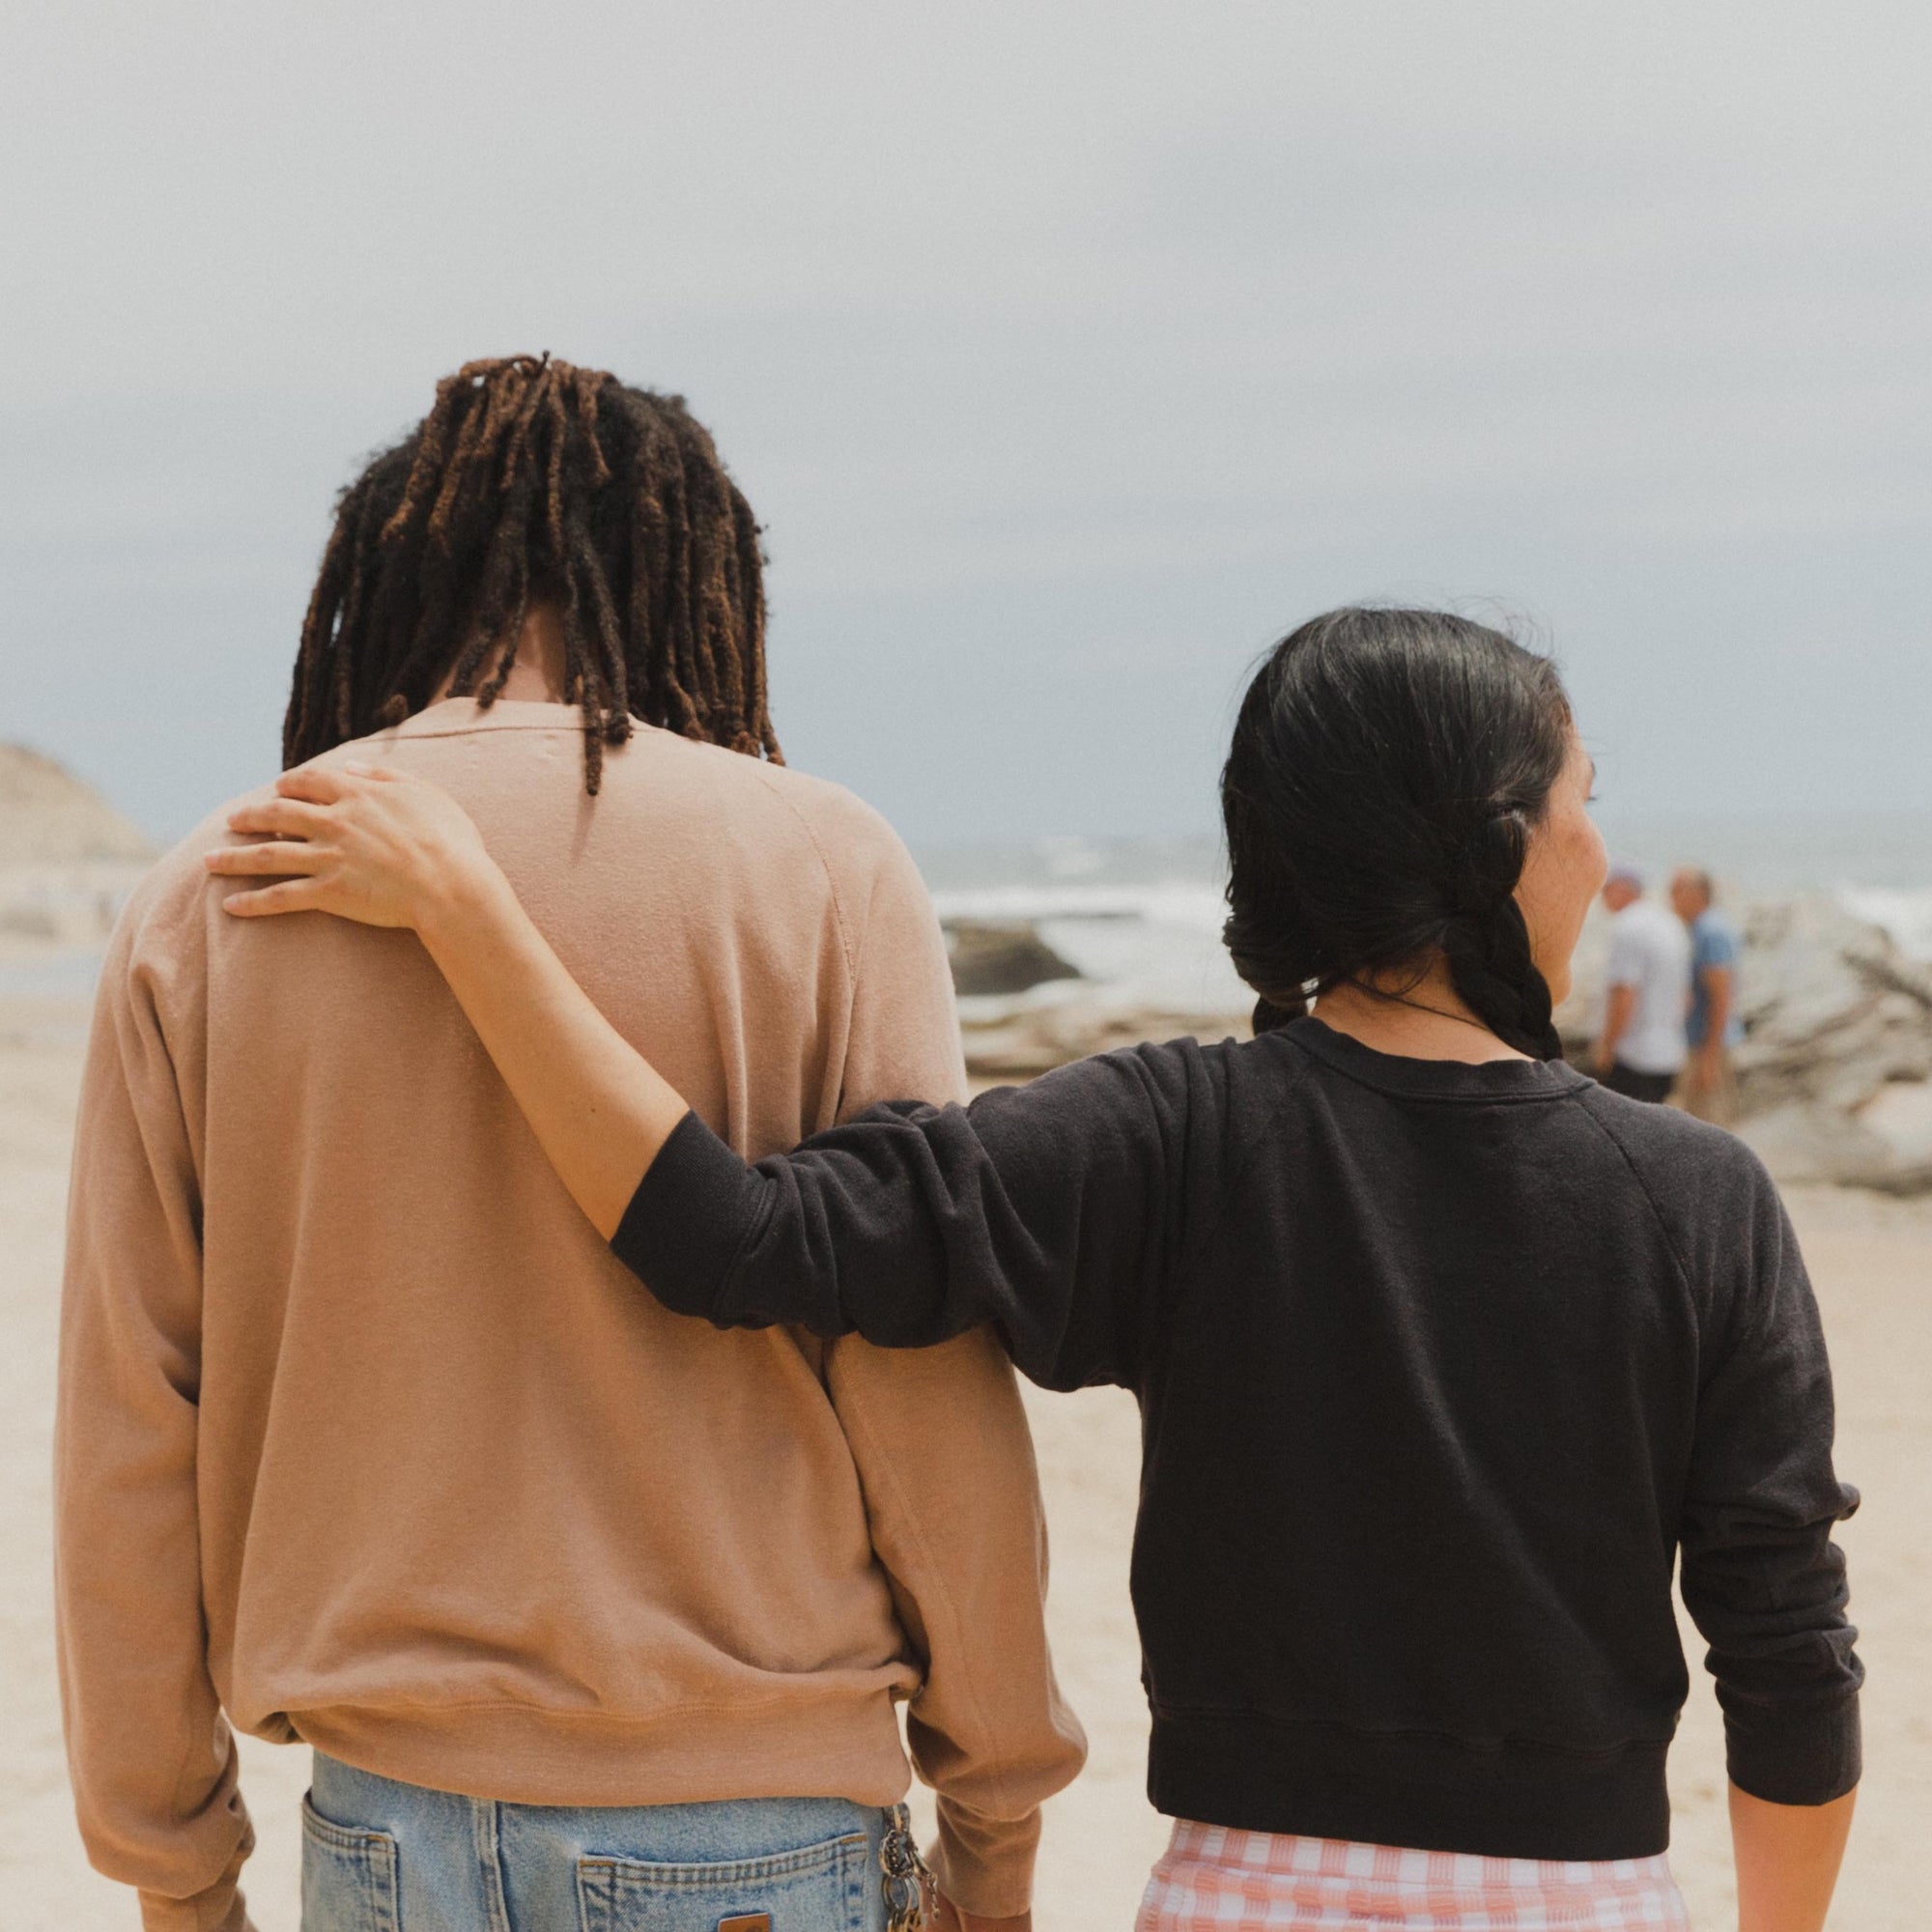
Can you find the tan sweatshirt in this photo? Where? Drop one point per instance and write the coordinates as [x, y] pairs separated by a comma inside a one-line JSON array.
[[365, 1439]]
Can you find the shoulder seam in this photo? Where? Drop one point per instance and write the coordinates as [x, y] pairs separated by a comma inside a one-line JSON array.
[[1644, 1187], [845, 944], [1277, 1107]]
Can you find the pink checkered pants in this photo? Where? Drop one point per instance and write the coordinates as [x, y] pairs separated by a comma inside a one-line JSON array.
[[1215, 1880]]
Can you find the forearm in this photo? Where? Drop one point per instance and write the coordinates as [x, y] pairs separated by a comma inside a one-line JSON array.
[[600, 1111], [1787, 1861], [1035, 1210], [151, 1761], [988, 1730]]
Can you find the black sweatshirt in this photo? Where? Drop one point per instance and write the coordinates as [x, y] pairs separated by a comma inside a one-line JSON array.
[[1439, 1366]]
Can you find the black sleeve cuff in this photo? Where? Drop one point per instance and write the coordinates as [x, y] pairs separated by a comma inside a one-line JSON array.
[[1802, 1754], [688, 1220]]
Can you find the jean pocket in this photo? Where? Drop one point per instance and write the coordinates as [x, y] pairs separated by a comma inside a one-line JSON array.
[[818, 1889], [349, 1882]]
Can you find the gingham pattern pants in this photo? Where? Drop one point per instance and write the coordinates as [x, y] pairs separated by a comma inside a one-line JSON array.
[[1213, 1879]]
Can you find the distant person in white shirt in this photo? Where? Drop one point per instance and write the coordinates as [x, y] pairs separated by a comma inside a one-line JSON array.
[[1643, 1046]]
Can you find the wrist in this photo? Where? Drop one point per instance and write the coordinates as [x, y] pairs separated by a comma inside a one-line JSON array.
[[464, 905]]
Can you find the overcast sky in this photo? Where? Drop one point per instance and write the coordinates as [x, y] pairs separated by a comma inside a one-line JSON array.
[[1072, 353]]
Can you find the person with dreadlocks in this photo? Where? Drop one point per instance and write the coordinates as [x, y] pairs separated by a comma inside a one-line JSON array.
[[590, 1615], [1445, 1354]]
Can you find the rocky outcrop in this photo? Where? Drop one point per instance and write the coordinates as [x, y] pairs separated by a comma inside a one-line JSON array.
[[1009, 957], [1021, 1044], [1835, 1073], [67, 857], [49, 817]]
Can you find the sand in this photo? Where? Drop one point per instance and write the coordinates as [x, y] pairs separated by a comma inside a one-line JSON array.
[[1872, 1259]]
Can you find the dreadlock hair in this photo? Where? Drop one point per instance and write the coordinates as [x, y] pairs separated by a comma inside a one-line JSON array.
[[1386, 769], [533, 482]]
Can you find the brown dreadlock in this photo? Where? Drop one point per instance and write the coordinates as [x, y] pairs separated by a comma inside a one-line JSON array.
[[532, 482]]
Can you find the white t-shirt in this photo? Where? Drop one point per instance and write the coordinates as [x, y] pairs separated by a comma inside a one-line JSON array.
[[1650, 949]]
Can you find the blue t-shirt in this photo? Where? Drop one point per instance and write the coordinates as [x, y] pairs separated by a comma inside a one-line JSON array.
[[1713, 942]]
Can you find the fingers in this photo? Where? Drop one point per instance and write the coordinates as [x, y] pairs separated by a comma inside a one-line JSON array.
[[278, 856], [316, 784], [290, 895], [279, 817], [322, 785]]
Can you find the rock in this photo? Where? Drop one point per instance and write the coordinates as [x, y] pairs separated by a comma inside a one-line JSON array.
[[1834, 1073], [67, 859], [1002, 958], [49, 816], [1899, 1116], [1021, 1044]]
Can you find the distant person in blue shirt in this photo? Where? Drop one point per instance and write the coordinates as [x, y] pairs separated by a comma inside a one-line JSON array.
[[1712, 1027]]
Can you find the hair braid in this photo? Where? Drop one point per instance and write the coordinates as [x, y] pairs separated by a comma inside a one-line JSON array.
[[1386, 769], [1486, 941]]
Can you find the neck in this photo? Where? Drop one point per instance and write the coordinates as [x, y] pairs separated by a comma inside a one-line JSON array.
[[537, 677], [1419, 1020]]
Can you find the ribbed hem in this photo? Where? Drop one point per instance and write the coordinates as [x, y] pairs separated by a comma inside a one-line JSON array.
[[519, 1755], [1328, 1782], [1796, 1755], [688, 1219]]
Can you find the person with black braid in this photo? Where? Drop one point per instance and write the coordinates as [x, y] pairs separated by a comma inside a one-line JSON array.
[[590, 1616], [1445, 1354]]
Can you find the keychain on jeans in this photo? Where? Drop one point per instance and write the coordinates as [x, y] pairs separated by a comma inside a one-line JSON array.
[[911, 1890]]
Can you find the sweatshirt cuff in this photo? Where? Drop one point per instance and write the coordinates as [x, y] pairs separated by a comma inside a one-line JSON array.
[[984, 1866], [221, 1908], [1802, 1754], [688, 1220]]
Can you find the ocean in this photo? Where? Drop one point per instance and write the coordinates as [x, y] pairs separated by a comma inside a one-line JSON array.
[[1141, 918]]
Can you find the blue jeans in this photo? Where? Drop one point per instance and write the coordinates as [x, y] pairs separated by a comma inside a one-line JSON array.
[[383, 1856]]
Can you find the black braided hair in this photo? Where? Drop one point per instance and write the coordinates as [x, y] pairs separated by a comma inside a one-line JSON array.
[[1387, 771], [533, 481]]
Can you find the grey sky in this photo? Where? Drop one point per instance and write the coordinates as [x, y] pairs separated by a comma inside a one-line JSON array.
[[1070, 352]]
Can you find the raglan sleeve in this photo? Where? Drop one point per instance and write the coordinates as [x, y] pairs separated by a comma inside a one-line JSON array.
[[944, 1460], [1762, 1576], [944, 1456], [1048, 1211], [152, 1759]]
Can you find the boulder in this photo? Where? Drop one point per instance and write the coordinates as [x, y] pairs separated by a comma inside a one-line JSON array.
[[990, 958], [1834, 1073], [49, 816], [1021, 1043], [67, 859]]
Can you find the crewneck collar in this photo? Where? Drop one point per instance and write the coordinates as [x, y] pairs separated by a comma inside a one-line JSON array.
[[1432, 1079]]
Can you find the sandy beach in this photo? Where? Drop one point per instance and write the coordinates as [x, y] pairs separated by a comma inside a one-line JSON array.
[[1872, 1261]]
